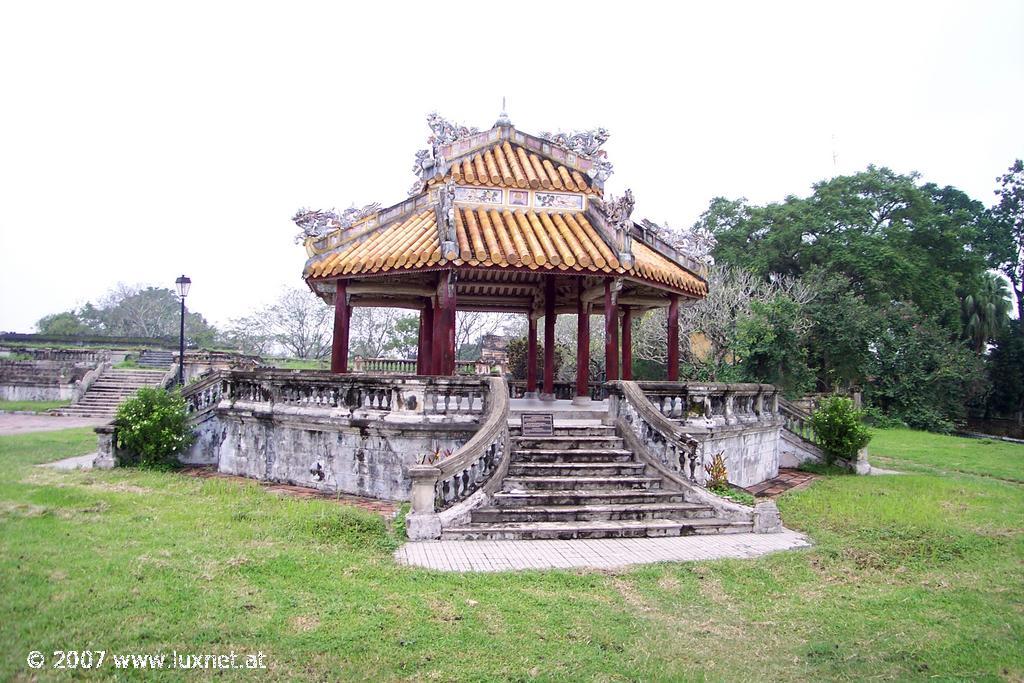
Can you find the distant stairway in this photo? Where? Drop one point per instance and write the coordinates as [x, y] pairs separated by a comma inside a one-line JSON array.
[[583, 483], [109, 389], [156, 359]]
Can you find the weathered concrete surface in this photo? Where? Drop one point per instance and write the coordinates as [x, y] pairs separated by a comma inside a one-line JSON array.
[[78, 462], [497, 556], [17, 423], [310, 447], [751, 451]]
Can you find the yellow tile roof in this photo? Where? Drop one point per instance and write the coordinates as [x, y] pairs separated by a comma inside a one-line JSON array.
[[508, 165], [560, 241]]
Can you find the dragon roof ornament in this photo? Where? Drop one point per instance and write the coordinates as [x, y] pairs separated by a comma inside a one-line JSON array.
[[586, 144], [316, 223], [443, 132]]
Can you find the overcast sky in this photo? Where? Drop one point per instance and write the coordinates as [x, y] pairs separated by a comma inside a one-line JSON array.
[[140, 141]]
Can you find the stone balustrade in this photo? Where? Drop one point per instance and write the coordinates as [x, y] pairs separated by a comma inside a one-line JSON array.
[[407, 366], [344, 394], [564, 391], [476, 467], [684, 424], [708, 404]]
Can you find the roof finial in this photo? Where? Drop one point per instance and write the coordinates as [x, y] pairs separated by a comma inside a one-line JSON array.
[[503, 119]]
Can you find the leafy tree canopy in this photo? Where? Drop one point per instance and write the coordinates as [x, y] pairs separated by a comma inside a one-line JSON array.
[[892, 238]]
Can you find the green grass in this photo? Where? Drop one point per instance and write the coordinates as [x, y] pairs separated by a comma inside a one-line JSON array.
[[33, 406], [912, 577], [927, 451], [299, 363]]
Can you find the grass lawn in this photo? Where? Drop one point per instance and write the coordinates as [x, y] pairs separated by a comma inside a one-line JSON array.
[[34, 406], [913, 576], [908, 449], [299, 363]]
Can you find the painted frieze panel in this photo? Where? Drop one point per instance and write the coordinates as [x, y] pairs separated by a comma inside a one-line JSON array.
[[558, 200]]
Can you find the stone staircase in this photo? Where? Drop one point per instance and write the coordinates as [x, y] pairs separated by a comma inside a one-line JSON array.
[[156, 359], [583, 483], [109, 389]]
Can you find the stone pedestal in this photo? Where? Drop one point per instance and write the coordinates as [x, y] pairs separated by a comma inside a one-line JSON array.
[[106, 447], [766, 518]]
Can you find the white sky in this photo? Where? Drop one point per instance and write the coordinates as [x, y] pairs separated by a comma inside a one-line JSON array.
[[139, 142]]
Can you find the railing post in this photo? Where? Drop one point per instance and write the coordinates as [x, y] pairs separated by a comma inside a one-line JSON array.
[[423, 523]]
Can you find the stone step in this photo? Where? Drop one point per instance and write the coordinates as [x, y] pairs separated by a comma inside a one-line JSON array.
[[598, 414], [572, 455], [513, 499], [567, 442], [597, 529], [570, 428], [523, 483], [574, 469], [590, 513]]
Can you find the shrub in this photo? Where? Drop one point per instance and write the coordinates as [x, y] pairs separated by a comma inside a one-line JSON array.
[[718, 476], [152, 428], [839, 428]]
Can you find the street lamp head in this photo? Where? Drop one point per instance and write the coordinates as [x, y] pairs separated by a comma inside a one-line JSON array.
[[183, 283]]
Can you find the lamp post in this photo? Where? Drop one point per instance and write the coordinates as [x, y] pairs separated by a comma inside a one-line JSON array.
[[182, 283]]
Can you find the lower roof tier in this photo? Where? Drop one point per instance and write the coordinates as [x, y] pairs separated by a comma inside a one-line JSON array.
[[505, 239]]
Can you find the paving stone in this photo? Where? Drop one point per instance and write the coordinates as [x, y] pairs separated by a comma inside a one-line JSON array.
[[466, 556]]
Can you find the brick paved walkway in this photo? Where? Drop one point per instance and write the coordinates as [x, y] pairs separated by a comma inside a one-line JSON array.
[[496, 556], [787, 480]]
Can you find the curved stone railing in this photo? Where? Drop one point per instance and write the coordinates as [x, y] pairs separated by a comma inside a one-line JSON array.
[[664, 438], [654, 419], [203, 395], [90, 378], [443, 493]]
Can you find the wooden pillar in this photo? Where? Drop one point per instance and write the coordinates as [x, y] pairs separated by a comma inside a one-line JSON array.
[[627, 342], [611, 331], [582, 346], [444, 326], [339, 342], [437, 337], [673, 338], [531, 355], [424, 365], [549, 338]]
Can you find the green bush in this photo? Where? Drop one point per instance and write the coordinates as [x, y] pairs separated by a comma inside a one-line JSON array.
[[839, 428], [152, 428]]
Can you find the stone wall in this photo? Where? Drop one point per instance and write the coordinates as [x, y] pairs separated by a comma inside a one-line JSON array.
[[751, 452], [40, 380], [308, 447]]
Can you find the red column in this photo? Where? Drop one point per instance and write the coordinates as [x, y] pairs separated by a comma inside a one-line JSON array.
[[425, 348], [339, 343], [673, 338], [627, 342], [531, 354], [582, 343], [437, 337], [450, 315], [549, 337], [611, 331], [444, 327]]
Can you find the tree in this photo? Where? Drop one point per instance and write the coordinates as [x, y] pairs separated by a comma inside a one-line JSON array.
[[919, 374], [249, 334], [471, 327], [770, 345], [62, 324], [1006, 238], [300, 323], [893, 239], [133, 311], [984, 310], [373, 332], [1006, 372], [843, 330]]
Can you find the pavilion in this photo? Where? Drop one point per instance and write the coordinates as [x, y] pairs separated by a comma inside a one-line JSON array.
[[503, 221]]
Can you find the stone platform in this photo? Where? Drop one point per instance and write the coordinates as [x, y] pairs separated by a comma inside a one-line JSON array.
[[498, 556]]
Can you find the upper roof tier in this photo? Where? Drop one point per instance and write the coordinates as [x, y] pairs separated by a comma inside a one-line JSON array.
[[500, 199]]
